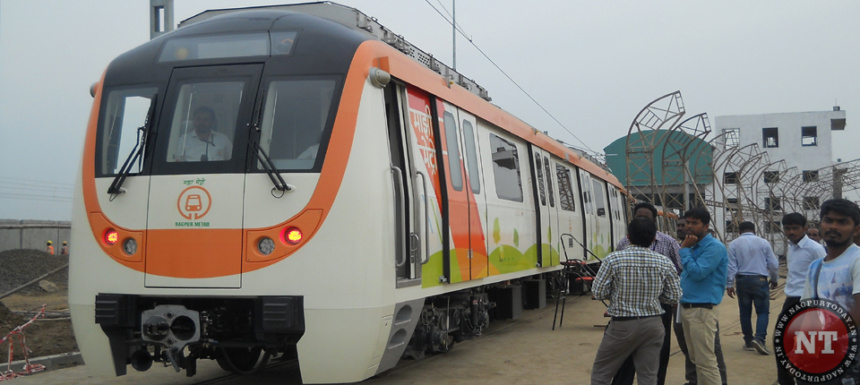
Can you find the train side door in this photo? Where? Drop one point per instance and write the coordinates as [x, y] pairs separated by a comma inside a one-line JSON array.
[[601, 237], [570, 214], [476, 195], [546, 208], [462, 215], [427, 191], [619, 225], [410, 183], [590, 229]]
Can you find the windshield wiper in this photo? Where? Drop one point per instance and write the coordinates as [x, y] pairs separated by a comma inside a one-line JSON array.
[[142, 132], [269, 166]]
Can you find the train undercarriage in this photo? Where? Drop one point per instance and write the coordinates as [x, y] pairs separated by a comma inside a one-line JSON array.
[[241, 334]]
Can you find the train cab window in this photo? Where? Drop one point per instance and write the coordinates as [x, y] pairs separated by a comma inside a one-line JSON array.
[[471, 156], [203, 124], [506, 169], [565, 188], [295, 117], [541, 191], [550, 190], [599, 199], [453, 148], [124, 113]]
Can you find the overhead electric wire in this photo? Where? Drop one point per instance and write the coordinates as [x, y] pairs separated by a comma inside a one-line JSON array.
[[456, 27], [30, 189]]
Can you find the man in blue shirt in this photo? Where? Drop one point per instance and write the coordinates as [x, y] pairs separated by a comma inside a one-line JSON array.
[[751, 261], [802, 250], [705, 262]]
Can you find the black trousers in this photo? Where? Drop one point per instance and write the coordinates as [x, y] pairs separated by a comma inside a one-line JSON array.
[[627, 371], [782, 375]]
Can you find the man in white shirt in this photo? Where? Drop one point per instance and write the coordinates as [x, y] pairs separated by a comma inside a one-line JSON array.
[[203, 144], [802, 250]]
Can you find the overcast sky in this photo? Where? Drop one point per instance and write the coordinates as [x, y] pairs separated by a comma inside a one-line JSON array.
[[592, 64]]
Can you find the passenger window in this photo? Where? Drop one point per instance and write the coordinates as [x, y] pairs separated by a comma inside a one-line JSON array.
[[550, 191], [471, 156], [599, 199], [453, 148], [565, 188], [295, 117], [541, 192], [506, 169]]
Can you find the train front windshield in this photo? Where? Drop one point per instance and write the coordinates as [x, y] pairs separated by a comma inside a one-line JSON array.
[[207, 123]]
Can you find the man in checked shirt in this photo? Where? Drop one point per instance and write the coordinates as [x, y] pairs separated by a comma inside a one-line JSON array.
[[635, 281]]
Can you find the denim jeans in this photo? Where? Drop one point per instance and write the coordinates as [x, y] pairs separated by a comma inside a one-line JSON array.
[[752, 291]]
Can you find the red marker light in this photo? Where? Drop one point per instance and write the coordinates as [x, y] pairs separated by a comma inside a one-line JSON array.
[[293, 236], [111, 237]]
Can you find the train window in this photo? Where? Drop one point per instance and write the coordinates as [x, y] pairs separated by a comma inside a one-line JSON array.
[[226, 46], [565, 188], [295, 117], [550, 191], [124, 113], [453, 148], [599, 199], [540, 187], [506, 169], [204, 121], [471, 156]]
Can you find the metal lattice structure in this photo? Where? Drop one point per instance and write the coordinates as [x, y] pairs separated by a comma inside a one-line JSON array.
[[643, 139]]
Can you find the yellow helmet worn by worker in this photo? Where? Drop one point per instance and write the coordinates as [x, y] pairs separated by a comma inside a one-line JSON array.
[[49, 242]]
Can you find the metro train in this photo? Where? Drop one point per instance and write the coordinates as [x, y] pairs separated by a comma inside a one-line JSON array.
[[300, 181]]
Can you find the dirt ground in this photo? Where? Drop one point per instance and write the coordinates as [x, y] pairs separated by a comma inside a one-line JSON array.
[[46, 336]]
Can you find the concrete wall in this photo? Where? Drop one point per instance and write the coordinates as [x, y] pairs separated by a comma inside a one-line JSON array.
[[29, 234]]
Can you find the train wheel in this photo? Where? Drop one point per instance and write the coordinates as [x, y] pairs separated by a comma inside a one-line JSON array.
[[242, 360]]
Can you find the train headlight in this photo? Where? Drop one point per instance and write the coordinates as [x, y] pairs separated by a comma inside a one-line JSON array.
[[293, 236], [111, 237], [266, 246], [129, 246]]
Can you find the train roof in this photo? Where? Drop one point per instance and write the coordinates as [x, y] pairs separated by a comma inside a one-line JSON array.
[[370, 27]]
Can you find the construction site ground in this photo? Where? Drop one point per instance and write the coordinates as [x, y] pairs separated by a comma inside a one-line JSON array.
[[520, 351]]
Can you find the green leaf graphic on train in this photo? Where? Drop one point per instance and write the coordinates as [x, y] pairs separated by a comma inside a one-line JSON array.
[[516, 238], [497, 233]]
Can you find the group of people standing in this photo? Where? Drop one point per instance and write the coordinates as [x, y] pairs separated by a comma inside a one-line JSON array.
[[653, 281]]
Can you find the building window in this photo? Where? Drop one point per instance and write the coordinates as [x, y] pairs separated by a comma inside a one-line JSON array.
[[770, 136], [811, 203], [771, 177], [772, 204], [732, 227], [732, 137], [810, 175], [773, 227], [809, 136], [730, 178]]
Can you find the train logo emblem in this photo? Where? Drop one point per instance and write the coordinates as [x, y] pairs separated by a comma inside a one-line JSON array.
[[194, 203]]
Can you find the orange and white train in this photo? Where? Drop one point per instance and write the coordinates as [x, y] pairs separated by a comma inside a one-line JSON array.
[[299, 180]]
